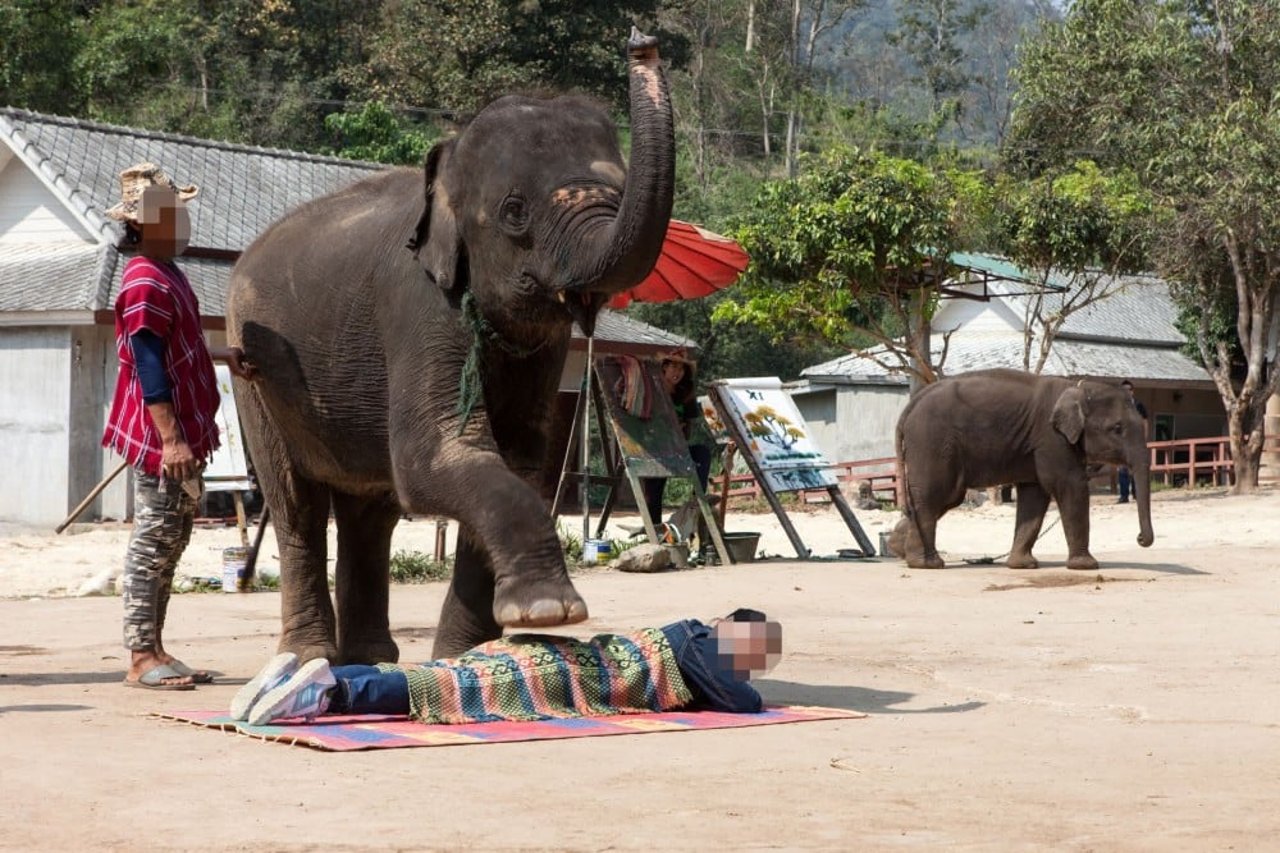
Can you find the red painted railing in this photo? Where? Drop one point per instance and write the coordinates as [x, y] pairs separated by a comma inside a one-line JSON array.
[[1186, 462]]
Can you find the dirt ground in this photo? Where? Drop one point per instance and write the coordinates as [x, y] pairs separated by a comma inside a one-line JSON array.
[[1131, 709]]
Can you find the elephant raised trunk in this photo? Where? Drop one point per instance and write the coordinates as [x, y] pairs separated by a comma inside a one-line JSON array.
[[624, 252]]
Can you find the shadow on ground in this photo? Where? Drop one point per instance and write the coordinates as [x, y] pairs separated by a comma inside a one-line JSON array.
[[9, 709], [850, 698]]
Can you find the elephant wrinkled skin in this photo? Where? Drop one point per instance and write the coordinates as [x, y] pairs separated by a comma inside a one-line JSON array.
[[423, 379], [992, 427]]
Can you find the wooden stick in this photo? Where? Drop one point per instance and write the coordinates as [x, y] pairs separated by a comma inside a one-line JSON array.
[[97, 490]]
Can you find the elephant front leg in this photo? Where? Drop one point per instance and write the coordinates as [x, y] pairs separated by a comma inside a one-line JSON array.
[[466, 619], [507, 517], [1033, 503], [1073, 506]]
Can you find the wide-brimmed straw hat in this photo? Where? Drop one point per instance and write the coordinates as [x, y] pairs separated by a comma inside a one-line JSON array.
[[136, 180], [679, 354]]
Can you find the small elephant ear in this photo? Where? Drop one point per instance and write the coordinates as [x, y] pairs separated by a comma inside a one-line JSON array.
[[1068, 414], [435, 242]]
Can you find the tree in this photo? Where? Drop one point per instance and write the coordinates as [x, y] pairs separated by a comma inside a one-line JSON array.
[[36, 37], [1186, 93], [374, 133], [850, 253], [1078, 233]]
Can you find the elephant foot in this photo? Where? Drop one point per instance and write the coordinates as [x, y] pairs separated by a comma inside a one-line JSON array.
[[933, 561], [1082, 563], [1022, 561], [308, 651], [371, 652], [518, 604]]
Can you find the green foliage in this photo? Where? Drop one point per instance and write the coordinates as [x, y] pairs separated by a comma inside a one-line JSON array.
[[846, 246], [417, 567], [374, 133], [36, 38], [1071, 219]]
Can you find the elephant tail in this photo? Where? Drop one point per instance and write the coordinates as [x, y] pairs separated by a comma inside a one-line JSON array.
[[904, 480]]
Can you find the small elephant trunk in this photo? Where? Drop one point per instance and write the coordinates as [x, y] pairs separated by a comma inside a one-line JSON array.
[[1142, 479], [626, 251]]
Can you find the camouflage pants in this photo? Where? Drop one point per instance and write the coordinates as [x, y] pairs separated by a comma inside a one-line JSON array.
[[163, 514]]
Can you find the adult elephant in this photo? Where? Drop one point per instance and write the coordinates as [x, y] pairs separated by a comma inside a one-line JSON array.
[[991, 427], [422, 380]]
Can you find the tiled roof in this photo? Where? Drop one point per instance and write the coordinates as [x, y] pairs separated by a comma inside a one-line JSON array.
[[1140, 309], [243, 189], [1067, 357], [32, 278]]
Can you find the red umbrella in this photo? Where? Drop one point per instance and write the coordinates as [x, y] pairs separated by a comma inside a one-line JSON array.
[[694, 263]]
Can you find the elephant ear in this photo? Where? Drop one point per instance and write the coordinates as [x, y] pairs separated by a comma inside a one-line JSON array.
[[1068, 414], [435, 242]]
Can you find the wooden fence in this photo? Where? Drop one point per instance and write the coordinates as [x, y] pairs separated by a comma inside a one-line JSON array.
[[1196, 461]]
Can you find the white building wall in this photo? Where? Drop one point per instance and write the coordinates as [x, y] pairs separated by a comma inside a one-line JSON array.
[[34, 428], [853, 422], [30, 212]]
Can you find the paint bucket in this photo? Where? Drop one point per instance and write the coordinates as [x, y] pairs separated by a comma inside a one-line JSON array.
[[596, 551], [234, 576]]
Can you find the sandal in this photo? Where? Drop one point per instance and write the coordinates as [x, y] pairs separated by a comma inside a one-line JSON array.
[[197, 676], [153, 679]]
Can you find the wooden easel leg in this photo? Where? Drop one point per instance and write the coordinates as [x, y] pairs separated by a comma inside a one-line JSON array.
[[713, 527], [851, 521], [241, 522], [650, 527]]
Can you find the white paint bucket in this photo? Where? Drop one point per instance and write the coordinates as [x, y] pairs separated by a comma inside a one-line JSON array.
[[595, 551], [234, 576]]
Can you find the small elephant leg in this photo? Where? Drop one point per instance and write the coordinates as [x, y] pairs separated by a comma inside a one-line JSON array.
[[362, 575], [466, 619], [300, 516], [921, 529], [1033, 503], [1073, 505], [531, 586]]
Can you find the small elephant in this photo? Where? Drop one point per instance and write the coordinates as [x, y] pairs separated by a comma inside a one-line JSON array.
[[991, 427], [423, 379]]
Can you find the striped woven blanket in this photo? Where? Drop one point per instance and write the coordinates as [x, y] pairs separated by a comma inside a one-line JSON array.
[[538, 677]]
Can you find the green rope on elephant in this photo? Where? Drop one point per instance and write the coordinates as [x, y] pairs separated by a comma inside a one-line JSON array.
[[470, 384]]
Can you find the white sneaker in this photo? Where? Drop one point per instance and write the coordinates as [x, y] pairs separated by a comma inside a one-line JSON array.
[[305, 695], [275, 672]]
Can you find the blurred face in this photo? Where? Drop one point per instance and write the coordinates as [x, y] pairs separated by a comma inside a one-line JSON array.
[[747, 649], [163, 222]]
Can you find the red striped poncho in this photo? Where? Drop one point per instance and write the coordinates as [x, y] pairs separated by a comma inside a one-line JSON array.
[[538, 677]]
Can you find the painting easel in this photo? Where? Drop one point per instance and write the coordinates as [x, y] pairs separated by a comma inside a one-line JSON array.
[[637, 446], [766, 427]]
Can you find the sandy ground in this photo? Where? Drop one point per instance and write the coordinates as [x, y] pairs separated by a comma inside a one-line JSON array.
[[1131, 709]]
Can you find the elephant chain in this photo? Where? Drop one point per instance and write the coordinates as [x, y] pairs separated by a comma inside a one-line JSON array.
[[469, 382]]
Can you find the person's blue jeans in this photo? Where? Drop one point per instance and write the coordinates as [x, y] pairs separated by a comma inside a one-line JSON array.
[[368, 690], [1126, 483]]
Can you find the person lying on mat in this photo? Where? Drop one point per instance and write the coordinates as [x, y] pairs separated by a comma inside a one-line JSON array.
[[534, 677]]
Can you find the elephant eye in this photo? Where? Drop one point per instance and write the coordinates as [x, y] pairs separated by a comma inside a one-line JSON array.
[[1117, 427], [514, 213]]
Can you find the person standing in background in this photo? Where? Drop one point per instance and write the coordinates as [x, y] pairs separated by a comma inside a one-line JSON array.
[[162, 412], [677, 375]]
